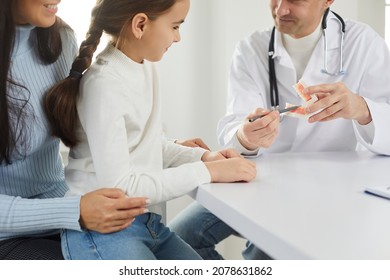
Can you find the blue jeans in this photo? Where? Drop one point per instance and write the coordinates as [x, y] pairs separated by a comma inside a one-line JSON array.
[[146, 239], [203, 231]]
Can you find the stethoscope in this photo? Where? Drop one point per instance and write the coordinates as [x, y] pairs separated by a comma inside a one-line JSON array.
[[274, 93]]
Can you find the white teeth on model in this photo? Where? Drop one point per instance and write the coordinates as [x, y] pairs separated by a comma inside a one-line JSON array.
[[51, 6]]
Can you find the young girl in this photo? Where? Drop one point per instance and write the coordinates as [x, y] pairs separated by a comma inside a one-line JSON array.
[[120, 140]]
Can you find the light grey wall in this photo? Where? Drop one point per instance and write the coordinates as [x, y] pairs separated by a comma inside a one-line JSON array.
[[194, 72], [371, 12]]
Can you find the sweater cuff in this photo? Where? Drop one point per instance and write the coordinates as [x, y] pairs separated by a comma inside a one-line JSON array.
[[202, 173], [70, 207]]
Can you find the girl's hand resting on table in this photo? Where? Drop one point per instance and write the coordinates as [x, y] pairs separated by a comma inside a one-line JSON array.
[[228, 165], [223, 154], [231, 170]]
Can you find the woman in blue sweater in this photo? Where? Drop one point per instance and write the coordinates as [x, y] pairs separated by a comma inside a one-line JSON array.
[[36, 51]]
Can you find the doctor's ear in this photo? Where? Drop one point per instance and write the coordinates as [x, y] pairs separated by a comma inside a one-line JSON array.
[[328, 3], [138, 25]]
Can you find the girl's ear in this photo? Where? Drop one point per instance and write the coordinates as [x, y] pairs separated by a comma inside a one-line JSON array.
[[138, 25]]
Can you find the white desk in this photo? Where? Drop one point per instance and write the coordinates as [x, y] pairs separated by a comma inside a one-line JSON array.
[[309, 206]]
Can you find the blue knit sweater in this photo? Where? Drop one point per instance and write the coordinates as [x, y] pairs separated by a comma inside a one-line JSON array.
[[33, 186]]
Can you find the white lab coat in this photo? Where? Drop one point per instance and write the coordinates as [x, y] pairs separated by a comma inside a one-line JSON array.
[[367, 66]]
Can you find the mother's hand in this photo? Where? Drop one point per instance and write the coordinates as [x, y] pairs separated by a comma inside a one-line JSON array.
[[109, 209]]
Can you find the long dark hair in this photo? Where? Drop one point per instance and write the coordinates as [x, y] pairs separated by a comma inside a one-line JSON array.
[[12, 108], [110, 16]]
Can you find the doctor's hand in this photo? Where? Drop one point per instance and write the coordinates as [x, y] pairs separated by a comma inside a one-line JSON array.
[[260, 133], [109, 210], [337, 101]]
